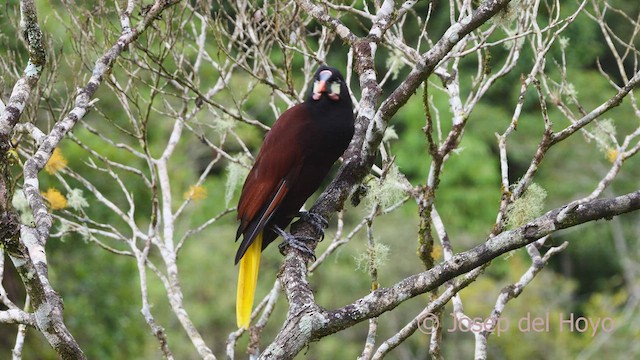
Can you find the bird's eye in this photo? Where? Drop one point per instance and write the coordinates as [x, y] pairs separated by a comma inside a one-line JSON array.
[[335, 87]]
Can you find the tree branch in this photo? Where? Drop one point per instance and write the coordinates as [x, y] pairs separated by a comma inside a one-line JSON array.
[[22, 89], [308, 322], [359, 157], [28, 250]]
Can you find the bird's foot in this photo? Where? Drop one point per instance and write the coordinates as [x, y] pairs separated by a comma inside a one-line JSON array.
[[316, 220], [296, 242]]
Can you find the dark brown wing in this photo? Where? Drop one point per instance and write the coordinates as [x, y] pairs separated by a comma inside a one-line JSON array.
[[276, 168]]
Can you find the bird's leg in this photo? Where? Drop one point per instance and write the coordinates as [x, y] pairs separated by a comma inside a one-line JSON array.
[[296, 242], [316, 220]]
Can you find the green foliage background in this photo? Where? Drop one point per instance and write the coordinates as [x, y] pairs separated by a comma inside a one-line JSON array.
[[101, 290]]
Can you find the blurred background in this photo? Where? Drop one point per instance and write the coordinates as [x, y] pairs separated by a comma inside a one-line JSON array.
[[595, 277]]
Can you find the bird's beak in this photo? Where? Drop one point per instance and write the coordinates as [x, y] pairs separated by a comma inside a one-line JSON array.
[[320, 85]]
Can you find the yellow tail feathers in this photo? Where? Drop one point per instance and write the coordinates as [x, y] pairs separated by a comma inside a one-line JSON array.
[[247, 280]]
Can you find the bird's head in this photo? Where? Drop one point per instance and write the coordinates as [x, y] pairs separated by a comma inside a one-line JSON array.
[[330, 82]]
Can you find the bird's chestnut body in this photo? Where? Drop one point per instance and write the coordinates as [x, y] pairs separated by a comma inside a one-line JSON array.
[[296, 155]]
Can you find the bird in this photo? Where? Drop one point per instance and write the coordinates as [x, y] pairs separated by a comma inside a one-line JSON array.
[[296, 155]]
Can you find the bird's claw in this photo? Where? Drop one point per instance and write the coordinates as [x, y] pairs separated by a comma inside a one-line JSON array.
[[316, 220], [296, 242]]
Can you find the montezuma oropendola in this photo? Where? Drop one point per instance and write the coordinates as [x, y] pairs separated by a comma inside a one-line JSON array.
[[296, 155]]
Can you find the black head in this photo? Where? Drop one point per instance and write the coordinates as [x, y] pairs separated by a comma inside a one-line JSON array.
[[328, 85]]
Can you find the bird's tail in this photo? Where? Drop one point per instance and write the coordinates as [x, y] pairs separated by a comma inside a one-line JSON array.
[[247, 280]]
